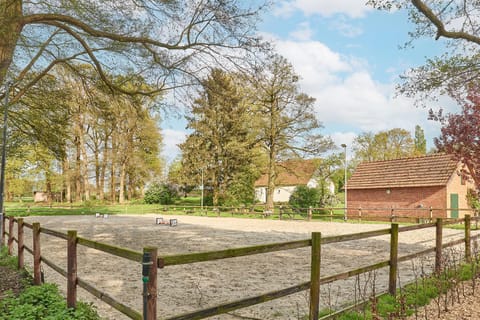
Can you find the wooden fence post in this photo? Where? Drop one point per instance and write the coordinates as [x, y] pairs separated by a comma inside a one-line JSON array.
[[20, 247], [315, 275], [360, 214], [71, 268], [309, 215], [37, 277], [392, 280], [152, 284], [438, 245], [10, 235], [392, 215], [468, 250]]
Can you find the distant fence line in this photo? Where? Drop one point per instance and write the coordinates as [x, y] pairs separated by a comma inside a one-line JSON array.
[[150, 309], [283, 211]]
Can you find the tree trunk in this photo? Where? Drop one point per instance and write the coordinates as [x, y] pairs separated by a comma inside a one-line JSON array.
[[121, 192], [85, 182], [78, 174], [103, 169], [113, 169], [10, 29], [67, 182], [272, 174]]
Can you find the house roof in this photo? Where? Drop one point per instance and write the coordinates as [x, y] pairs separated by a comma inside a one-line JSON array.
[[433, 170], [291, 173]]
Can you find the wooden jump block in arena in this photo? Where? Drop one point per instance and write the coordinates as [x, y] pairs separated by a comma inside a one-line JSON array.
[[170, 222], [99, 215]]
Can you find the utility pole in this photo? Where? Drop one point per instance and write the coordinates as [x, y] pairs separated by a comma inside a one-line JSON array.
[[345, 216], [4, 157]]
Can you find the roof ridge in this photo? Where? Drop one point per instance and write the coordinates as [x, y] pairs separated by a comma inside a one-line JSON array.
[[439, 154]]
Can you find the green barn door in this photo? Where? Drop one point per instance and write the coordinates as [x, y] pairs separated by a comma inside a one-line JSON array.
[[454, 205]]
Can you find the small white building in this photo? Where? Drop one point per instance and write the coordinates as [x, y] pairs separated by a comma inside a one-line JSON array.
[[291, 173]]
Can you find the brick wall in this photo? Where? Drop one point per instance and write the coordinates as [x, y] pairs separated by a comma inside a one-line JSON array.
[[386, 199]]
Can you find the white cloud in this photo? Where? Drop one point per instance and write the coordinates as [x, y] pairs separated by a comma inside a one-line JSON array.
[[348, 99], [345, 29], [171, 139], [314, 62], [326, 8], [302, 33]]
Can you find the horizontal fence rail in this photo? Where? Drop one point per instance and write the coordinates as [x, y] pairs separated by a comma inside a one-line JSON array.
[[150, 285]]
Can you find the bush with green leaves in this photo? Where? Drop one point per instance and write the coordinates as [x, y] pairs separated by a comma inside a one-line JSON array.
[[43, 302], [304, 197], [161, 194]]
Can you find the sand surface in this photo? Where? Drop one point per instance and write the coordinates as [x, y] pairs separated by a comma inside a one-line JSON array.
[[192, 287]]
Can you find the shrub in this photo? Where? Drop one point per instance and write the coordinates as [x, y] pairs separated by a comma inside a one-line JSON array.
[[304, 197], [161, 194], [43, 302]]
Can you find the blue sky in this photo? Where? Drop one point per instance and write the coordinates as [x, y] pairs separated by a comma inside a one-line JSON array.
[[348, 58]]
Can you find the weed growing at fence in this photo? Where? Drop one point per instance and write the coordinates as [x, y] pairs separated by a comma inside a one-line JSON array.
[[443, 290], [43, 302], [6, 260], [39, 302]]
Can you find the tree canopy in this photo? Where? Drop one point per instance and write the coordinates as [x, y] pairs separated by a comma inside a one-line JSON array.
[[457, 24], [167, 43], [460, 134], [384, 145]]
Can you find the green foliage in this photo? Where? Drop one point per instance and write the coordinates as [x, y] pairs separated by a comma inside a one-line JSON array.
[[161, 194], [420, 141], [304, 197], [472, 199], [43, 302], [6, 260], [384, 145]]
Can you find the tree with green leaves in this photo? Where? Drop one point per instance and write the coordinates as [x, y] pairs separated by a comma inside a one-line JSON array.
[[168, 43], [222, 144], [420, 141], [288, 125], [384, 145], [455, 70]]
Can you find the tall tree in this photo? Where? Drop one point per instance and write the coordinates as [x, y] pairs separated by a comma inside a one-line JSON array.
[[457, 24], [289, 127], [222, 142], [420, 141], [165, 42], [384, 145], [460, 135]]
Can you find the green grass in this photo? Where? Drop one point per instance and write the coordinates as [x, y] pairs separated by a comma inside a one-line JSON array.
[[6, 260], [43, 302], [413, 295], [39, 302]]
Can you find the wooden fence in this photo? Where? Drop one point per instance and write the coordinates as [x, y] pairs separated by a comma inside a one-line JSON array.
[[315, 242]]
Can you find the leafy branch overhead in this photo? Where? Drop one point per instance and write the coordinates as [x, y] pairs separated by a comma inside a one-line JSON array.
[[167, 43], [456, 23]]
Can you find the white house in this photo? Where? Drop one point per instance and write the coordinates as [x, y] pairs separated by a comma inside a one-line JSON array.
[[291, 173]]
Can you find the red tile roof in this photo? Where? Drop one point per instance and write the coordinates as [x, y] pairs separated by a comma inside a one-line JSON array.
[[432, 170], [292, 173]]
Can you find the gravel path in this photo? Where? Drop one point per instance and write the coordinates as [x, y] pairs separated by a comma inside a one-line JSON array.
[[191, 287]]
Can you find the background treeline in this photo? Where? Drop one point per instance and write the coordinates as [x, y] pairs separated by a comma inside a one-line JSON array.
[[73, 138]]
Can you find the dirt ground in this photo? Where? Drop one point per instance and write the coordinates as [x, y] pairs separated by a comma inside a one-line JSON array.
[[192, 287]]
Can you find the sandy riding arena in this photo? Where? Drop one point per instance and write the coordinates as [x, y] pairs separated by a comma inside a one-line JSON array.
[[186, 288]]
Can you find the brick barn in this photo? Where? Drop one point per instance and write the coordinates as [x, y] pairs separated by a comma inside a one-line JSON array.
[[414, 183]]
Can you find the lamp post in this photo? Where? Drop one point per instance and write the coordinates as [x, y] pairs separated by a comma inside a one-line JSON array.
[[201, 202], [344, 146]]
